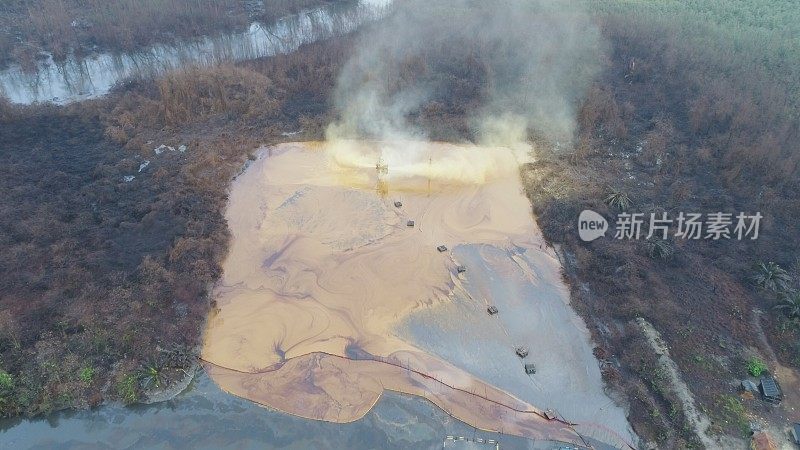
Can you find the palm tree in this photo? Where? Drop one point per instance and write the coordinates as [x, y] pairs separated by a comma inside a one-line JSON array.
[[790, 304], [772, 277], [618, 199], [660, 249], [152, 374]]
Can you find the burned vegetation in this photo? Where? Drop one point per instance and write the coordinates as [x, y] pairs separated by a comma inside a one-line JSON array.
[[112, 227], [672, 126], [31, 30], [103, 276]]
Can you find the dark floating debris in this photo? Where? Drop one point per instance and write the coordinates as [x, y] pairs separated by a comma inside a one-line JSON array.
[[441, 248], [522, 352], [410, 223], [492, 310], [530, 369]]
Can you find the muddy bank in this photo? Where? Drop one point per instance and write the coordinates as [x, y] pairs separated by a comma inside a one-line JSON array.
[[328, 297]]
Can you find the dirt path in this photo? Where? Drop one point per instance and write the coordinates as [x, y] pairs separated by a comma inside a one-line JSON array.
[[697, 419]]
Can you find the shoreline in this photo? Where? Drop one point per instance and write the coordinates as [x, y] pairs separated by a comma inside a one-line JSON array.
[[177, 388]]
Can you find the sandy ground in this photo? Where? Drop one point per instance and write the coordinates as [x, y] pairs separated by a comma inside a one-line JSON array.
[[328, 298]]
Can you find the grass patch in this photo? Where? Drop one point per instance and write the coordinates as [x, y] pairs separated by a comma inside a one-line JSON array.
[[756, 367], [127, 389], [733, 414], [6, 381], [86, 374]]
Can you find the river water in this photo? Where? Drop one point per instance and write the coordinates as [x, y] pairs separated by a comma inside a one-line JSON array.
[[83, 78], [205, 417]]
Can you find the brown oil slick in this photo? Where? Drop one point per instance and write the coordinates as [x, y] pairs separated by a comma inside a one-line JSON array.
[[323, 266]]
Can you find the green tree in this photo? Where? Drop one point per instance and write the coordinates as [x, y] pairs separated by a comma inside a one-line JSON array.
[[790, 303], [772, 277], [618, 199], [152, 375], [659, 248]]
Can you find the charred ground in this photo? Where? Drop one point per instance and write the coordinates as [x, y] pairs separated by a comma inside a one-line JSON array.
[[61, 27], [105, 281]]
